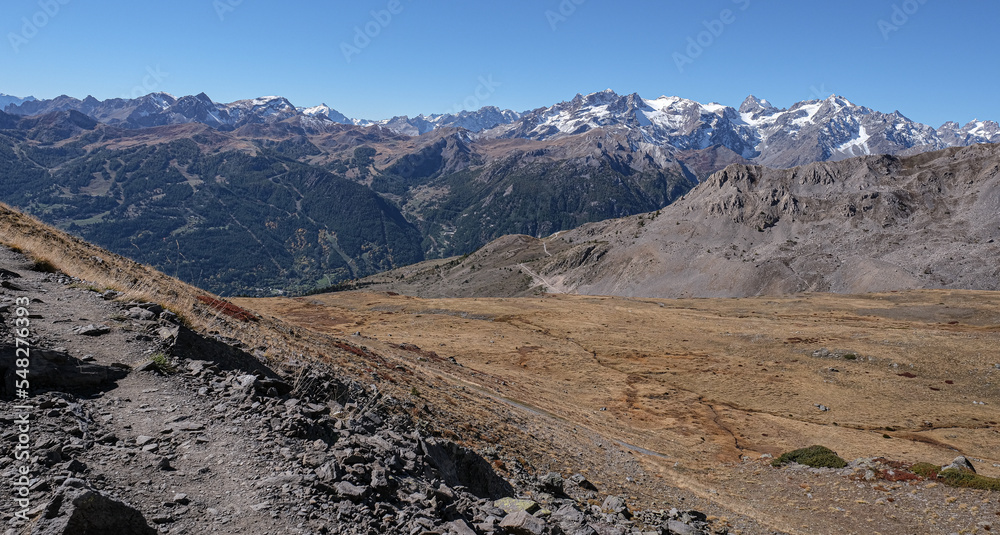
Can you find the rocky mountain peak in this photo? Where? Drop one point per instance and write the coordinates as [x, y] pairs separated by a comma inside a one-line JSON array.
[[754, 106]]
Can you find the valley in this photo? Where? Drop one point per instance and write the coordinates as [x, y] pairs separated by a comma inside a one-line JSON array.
[[698, 390]]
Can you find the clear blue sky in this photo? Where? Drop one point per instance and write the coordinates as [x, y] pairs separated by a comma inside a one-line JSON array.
[[939, 63]]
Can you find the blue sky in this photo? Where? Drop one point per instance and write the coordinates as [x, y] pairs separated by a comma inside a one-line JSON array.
[[932, 60]]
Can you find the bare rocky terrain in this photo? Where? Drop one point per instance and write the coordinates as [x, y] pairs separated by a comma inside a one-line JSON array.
[[868, 224]]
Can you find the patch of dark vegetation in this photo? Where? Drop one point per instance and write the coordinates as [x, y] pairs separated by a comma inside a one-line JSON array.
[[954, 477], [228, 308], [927, 470], [969, 480], [161, 362], [43, 265], [815, 456]]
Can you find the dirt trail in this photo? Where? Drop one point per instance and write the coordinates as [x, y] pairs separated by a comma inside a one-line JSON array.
[[539, 280]]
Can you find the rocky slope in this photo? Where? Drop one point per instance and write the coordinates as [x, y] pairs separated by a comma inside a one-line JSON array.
[[872, 223]]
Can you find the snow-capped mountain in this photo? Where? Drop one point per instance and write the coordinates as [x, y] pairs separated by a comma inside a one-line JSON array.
[[677, 122], [158, 109], [473, 121], [323, 111], [973, 132], [259, 110], [808, 131], [831, 129], [199, 108]]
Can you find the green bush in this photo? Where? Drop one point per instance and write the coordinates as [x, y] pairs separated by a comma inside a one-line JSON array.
[[163, 364], [969, 480], [814, 456], [928, 470]]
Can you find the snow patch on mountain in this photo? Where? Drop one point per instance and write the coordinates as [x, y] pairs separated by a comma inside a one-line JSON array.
[[860, 143], [805, 113]]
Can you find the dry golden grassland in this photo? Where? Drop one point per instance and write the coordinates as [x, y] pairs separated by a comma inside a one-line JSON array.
[[710, 380], [697, 385]]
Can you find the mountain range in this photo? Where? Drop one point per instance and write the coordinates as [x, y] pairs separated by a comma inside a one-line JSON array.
[[7, 100], [133, 174], [812, 130]]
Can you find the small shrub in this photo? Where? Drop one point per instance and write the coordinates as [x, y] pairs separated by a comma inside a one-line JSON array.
[[850, 356], [969, 480], [43, 265], [928, 470], [814, 456], [163, 364]]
